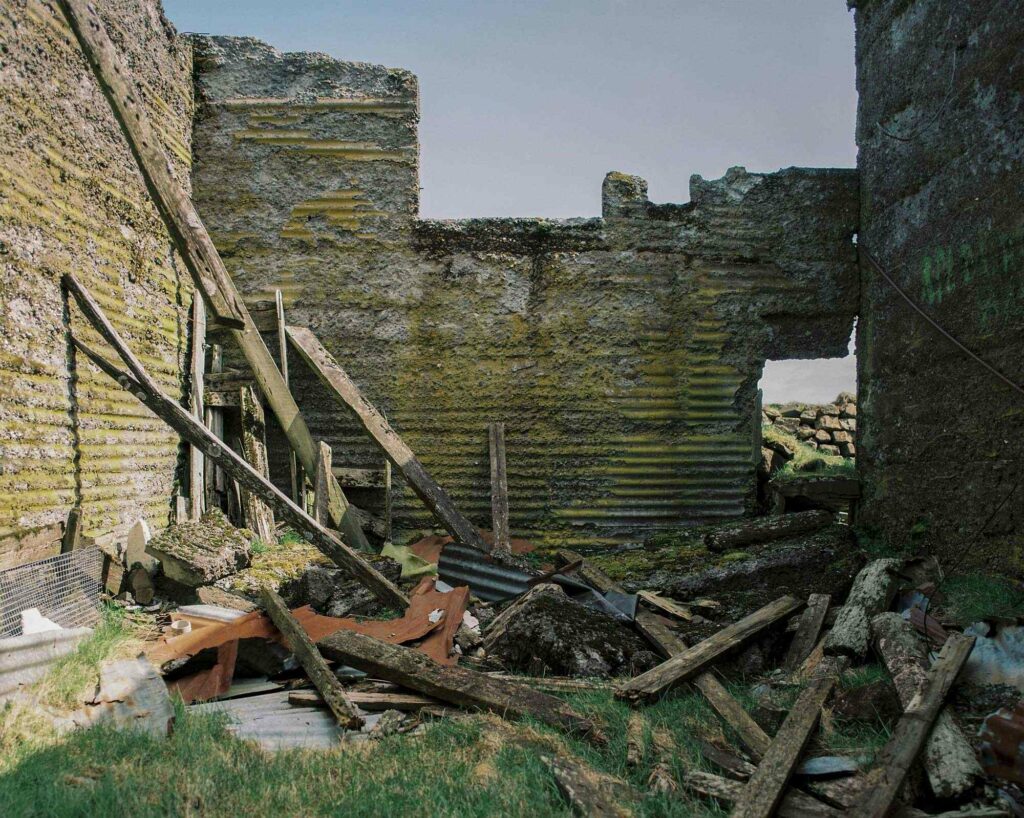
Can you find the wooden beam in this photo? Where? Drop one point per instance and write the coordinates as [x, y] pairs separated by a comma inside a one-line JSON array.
[[214, 420], [795, 804], [698, 658], [197, 373], [192, 240], [72, 537], [370, 701], [148, 391], [884, 781], [590, 794], [636, 739], [321, 485], [282, 356], [669, 606], [806, 636], [258, 516], [312, 662], [767, 786], [457, 685], [499, 487], [345, 391]]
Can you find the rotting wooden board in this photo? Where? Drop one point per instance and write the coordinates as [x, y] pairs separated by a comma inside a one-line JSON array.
[[794, 804], [588, 792], [806, 636], [367, 700], [258, 516], [697, 658], [457, 685], [668, 606], [499, 487]]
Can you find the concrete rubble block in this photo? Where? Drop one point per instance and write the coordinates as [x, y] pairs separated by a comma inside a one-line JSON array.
[[135, 550], [822, 436], [200, 552], [333, 592], [842, 437], [544, 632], [829, 410], [829, 422], [871, 594]]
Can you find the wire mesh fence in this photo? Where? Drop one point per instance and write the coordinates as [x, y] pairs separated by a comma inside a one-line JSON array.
[[65, 588]]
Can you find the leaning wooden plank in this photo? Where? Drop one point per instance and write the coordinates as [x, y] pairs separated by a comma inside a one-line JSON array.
[[949, 759], [884, 781], [499, 487], [347, 393], [589, 793], [258, 516], [192, 240], [312, 662], [457, 685], [795, 804], [282, 357], [767, 785], [698, 658], [322, 484], [766, 529], [806, 635], [197, 375], [147, 391]]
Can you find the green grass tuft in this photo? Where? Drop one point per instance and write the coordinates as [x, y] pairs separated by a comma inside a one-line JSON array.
[[973, 597]]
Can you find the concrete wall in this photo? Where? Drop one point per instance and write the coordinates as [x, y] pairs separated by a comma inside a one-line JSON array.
[[623, 353], [939, 128], [72, 200]]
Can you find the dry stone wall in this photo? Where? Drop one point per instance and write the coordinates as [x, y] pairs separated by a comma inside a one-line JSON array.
[[831, 428], [72, 200], [622, 353]]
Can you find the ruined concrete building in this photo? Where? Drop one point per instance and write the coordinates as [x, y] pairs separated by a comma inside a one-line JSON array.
[[622, 352]]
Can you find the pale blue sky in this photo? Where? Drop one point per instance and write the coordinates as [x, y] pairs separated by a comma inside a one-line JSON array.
[[527, 104]]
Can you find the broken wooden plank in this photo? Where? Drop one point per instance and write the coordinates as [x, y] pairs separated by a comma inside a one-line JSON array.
[[345, 391], [794, 804], [661, 779], [884, 781], [197, 374], [72, 537], [321, 484], [767, 786], [555, 684], [806, 636], [282, 357], [312, 662], [669, 606], [698, 658], [457, 685], [733, 765], [636, 735], [766, 529], [148, 391], [590, 794], [370, 701], [499, 487], [872, 592], [258, 516], [949, 759]]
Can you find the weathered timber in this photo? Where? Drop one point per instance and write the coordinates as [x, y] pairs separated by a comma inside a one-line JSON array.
[[588, 573], [321, 484], [872, 591], [312, 662], [282, 357], [794, 804], [370, 701], [258, 516], [766, 529], [733, 765], [661, 779], [636, 730], [457, 685], [806, 636], [197, 376], [767, 785], [72, 537], [664, 604], [949, 759], [146, 390], [554, 684], [499, 487], [884, 781], [587, 791], [698, 658], [344, 389], [214, 420]]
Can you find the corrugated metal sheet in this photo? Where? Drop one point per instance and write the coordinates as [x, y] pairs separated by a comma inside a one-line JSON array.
[[73, 201], [26, 659]]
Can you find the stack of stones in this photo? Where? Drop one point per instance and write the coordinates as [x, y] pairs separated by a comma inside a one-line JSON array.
[[830, 428]]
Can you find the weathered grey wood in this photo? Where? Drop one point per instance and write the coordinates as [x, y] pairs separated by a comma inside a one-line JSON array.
[[499, 487], [388, 500], [370, 701], [345, 391], [795, 804], [948, 758], [197, 372], [322, 485], [587, 572], [589, 793], [636, 736], [72, 537], [806, 636], [191, 238], [698, 658], [666, 605], [661, 779], [214, 420], [873, 590], [282, 356], [319, 673], [734, 766], [766, 529], [457, 685], [767, 786], [884, 781], [140, 384], [258, 516]]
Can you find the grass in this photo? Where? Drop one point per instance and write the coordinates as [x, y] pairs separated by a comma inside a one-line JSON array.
[[807, 461], [972, 597]]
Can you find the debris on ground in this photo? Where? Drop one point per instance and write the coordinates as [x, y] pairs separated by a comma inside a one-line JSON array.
[[194, 553]]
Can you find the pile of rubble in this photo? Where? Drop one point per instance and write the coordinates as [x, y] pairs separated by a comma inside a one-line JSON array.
[[830, 428]]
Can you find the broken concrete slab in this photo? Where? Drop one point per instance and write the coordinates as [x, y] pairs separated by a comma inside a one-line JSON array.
[[200, 552], [131, 694], [544, 632], [872, 592]]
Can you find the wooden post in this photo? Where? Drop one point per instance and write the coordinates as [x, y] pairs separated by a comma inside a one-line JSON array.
[[72, 531], [806, 635], [321, 486], [312, 662], [258, 516], [148, 391], [197, 369], [282, 354], [499, 487], [192, 240], [345, 391], [213, 417], [387, 500]]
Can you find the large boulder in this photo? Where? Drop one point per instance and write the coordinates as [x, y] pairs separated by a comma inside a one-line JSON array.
[[544, 632]]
